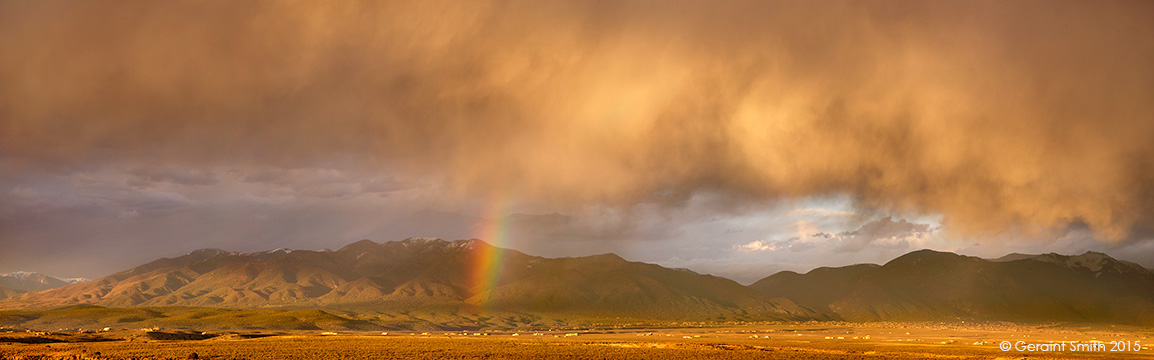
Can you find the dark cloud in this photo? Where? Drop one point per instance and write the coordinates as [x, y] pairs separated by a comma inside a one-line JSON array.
[[883, 233], [1001, 116], [324, 182], [179, 176]]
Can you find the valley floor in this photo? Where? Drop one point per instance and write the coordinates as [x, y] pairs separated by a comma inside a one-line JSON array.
[[796, 341]]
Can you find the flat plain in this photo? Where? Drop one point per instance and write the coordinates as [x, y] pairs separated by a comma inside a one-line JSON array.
[[811, 340]]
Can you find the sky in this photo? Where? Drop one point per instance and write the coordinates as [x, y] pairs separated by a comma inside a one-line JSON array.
[[736, 138]]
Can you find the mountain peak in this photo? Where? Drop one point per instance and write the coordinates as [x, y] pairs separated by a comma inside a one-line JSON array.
[[1092, 261], [610, 258], [414, 244], [420, 244], [1096, 262], [469, 244], [34, 281], [210, 252], [22, 274], [417, 241], [1013, 257], [924, 255], [360, 245], [277, 251]]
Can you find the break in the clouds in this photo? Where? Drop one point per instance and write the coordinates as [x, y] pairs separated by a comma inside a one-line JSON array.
[[1007, 119], [883, 233]]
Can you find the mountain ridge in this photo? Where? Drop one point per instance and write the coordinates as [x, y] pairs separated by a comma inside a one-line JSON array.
[[19, 282], [433, 282], [932, 285], [1092, 260], [416, 274]]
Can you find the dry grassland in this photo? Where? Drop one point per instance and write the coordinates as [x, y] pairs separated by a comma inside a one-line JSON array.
[[802, 341]]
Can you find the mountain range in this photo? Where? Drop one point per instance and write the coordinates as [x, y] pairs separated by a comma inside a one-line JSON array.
[[19, 282], [931, 285], [432, 283], [427, 276]]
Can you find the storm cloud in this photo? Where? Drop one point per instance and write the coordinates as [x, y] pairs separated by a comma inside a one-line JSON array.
[[1021, 117]]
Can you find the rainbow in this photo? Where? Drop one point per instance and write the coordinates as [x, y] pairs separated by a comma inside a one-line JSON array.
[[489, 260]]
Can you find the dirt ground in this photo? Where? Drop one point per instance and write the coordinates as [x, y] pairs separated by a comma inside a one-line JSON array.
[[794, 341]]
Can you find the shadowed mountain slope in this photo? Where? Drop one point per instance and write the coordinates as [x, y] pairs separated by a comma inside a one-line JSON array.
[[930, 285], [7, 293], [419, 274]]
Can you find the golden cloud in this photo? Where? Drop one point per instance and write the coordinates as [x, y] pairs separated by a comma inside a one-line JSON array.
[[997, 115]]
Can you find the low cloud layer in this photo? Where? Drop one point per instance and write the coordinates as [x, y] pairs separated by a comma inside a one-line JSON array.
[[1018, 117], [884, 233]]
